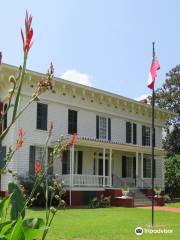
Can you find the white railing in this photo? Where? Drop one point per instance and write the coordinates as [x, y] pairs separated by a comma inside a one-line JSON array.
[[86, 180], [147, 182]]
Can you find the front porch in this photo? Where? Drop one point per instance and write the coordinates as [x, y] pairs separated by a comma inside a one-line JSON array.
[[92, 164]]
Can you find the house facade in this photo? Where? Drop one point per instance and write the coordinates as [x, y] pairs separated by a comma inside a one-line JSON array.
[[114, 135]]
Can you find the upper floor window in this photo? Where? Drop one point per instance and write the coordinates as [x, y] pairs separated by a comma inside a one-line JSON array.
[[72, 121], [131, 132], [103, 128], [146, 136], [5, 117], [42, 112]]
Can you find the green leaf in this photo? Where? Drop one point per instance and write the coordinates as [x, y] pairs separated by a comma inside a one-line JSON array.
[[4, 205], [18, 232], [33, 228], [17, 201], [6, 227]]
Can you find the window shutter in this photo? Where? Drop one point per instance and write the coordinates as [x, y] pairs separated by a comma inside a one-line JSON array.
[[134, 167], [1, 110], [123, 166], [72, 121], [128, 132], [109, 129], [32, 160], [42, 112], [134, 133], [97, 127], [143, 135], [80, 162], [44, 116], [50, 161], [2, 156]]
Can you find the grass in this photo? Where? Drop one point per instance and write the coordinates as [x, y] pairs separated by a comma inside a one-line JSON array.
[[174, 204], [109, 224]]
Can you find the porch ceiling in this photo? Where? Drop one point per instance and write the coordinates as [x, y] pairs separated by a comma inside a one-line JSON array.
[[92, 142]]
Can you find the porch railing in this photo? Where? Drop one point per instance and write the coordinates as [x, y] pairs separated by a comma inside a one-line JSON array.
[[86, 180]]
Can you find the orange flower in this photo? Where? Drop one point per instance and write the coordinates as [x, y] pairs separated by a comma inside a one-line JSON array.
[[29, 33], [38, 167], [20, 142], [72, 140]]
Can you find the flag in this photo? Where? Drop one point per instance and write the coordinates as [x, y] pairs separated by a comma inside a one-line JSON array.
[[152, 75]]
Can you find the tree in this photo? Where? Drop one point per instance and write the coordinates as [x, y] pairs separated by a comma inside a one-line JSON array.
[[168, 98], [172, 175]]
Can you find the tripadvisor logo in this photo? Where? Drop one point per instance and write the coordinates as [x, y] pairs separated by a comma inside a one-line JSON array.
[[138, 231]]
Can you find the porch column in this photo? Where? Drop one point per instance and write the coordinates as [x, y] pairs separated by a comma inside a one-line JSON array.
[[71, 173], [142, 156], [137, 176], [104, 157], [72, 165], [110, 167]]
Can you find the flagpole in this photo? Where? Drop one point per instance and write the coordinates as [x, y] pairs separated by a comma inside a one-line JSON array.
[[152, 161]]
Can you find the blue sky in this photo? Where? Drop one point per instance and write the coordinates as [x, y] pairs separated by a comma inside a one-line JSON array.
[[110, 41]]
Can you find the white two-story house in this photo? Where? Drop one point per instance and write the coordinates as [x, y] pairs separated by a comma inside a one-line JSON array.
[[114, 135]]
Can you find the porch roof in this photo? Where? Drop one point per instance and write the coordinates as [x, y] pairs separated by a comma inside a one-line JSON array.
[[117, 145]]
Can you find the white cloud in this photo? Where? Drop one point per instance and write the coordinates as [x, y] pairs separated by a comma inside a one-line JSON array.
[[142, 97], [76, 76]]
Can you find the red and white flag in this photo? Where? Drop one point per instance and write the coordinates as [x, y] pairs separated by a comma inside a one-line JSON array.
[[152, 75]]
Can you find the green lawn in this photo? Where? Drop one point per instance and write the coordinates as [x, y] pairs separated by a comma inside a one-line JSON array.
[[109, 224], [175, 203]]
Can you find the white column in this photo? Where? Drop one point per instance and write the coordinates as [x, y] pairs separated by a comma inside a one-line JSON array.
[[72, 165], [142, 156], [110, 167], [104, 157], [137, 176]]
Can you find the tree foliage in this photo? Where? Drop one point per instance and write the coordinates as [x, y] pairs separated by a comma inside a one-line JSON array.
[[168, 98], [172, 174]]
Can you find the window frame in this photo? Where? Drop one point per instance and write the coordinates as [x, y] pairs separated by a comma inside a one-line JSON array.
[[146, 138], [133, 133]]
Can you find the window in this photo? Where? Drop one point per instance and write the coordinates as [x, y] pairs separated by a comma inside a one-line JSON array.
[[131, 133], [103, 128], [39, 152], [147, 168], [42, 110], [5, 118], [72, 121], [145, 136]]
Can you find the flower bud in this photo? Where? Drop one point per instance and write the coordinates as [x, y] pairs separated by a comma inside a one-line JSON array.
[[12, 79], [53, 210]]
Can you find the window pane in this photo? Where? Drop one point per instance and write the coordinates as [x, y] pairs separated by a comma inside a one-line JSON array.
[[102, 128]]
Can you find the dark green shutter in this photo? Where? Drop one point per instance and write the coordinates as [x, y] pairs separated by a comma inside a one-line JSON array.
[[44, 116], [32, 160], [134, 167], [128, 132], [134, 133], [143, 135], [80, 162], [2, 156], [42, 113], [72, 121], [50, 161], [109, 129], [97, 127], [123, 166]]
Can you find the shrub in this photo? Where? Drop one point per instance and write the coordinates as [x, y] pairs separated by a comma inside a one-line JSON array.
[[101, 202], [38, 198]]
